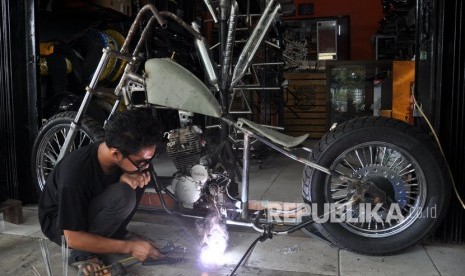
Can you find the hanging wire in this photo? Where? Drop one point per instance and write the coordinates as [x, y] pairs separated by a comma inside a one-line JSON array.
[[420, 110]]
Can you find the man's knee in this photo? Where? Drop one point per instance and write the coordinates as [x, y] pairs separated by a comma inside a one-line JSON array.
[[123, 197], [118, 199]]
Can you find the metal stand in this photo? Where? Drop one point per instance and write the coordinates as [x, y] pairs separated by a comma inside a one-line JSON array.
[[267, 234]]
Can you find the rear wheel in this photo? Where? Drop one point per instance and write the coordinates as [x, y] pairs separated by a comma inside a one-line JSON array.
[[402, 191], [50, 140]]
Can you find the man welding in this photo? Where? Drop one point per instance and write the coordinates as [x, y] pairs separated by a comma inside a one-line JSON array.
[[93, 193]]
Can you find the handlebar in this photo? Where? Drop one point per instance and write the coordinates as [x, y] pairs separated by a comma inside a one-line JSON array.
[[156, 14], [160, 18]]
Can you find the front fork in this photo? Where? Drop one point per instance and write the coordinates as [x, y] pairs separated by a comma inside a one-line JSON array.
[[76, 124]]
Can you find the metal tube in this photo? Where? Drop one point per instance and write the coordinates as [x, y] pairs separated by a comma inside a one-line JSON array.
[[46, 257], [224, 9], [302, 224], [273, 45], [214, 46], [122, 80], [210, 9], [292, 156], [307, 149], [269, 63], [238, 223], [113, 109], [143, 36], [258, 34], [64, 255], [245, 177], [136, 78], [287, 231], [247, 20], [74, 127], [205, 58], [182, 23], [136, 22], [257, 88], [228, 49], [100, 67], [296, 158]]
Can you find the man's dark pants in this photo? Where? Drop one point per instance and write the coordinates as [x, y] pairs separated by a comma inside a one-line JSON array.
[[109, 214]]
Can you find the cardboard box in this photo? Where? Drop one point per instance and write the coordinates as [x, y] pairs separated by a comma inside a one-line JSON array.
[[121, 6]]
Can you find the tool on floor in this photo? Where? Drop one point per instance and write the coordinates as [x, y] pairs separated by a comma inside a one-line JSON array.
[[170, 248], [167, 250], [117, 268], [46, 256]]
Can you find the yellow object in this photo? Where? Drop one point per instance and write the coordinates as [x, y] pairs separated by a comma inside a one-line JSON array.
[[121, 64], [46, 48], [403, 79], [111, 60], [43, 65]]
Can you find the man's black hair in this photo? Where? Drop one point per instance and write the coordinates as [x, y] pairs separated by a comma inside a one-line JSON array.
[[130, 131]]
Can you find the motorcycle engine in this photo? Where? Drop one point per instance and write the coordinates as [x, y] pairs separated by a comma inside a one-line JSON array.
[[188, 188], [184, 147], [198, 183]]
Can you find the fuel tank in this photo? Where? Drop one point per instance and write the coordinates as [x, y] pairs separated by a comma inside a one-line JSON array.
[[171, 85]]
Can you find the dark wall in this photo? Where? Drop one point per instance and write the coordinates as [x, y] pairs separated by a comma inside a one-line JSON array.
[[18, 110], [451, 112], [440, 73]]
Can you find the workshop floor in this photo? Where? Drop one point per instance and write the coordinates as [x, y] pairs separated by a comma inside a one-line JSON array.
[[297, 254]]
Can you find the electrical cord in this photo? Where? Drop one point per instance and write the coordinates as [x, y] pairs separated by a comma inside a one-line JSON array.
[[440, 148]]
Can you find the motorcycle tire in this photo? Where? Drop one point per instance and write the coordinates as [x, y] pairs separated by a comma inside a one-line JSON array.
[[398, 165], [51, 138]]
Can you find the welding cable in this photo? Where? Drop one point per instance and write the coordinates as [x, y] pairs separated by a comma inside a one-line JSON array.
[[251, 247], [440, 149]]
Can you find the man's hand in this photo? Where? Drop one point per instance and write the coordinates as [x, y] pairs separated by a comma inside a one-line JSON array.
[[136, 179], [143, 250]]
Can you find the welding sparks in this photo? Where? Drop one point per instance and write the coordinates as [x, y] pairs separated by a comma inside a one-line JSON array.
[[215, 241]]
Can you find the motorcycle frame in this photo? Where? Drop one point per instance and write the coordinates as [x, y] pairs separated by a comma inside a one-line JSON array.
[[225, 82]]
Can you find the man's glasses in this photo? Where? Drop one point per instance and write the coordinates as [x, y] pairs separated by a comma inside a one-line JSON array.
[[141, 164]]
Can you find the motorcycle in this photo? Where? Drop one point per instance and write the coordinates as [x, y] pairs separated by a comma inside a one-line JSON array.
[[359, 169]]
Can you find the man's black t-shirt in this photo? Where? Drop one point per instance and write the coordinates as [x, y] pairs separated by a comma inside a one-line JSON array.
[[69, 189]]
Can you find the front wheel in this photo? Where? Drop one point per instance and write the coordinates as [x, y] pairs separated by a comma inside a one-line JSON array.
[[401, 193], [51, 138]]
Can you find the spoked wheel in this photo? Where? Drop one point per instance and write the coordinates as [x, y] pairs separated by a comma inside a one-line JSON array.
[[388, 175], [400, 194], [51, 138]]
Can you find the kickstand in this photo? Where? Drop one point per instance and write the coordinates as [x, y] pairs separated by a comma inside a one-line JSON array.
[[267, 234]]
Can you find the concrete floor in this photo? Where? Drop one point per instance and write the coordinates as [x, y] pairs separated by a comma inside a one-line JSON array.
[[298, 254]]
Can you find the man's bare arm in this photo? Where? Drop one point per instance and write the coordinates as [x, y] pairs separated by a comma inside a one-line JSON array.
[[98, 244]]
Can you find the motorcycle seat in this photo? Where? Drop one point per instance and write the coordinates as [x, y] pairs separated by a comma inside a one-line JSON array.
[[273, 135]]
